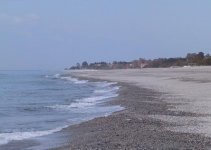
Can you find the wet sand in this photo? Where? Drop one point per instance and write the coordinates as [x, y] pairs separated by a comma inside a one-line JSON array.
[[164, 109]]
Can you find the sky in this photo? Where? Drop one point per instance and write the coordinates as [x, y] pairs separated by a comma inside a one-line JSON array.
[[54, 34]]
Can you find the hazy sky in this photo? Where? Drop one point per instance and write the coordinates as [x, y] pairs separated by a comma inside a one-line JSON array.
[[48, 34]]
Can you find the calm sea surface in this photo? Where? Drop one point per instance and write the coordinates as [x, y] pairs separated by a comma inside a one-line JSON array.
[[35, 104]]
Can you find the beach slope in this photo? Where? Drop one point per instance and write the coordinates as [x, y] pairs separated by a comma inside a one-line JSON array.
[[165, 108]]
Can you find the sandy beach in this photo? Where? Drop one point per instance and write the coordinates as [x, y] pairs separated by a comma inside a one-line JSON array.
[[166, 108]]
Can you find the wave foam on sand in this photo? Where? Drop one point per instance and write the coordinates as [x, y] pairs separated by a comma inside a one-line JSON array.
[[105, 90], [16, 136]]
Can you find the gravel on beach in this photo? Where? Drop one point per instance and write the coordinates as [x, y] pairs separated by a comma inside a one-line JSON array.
[[132, 128]]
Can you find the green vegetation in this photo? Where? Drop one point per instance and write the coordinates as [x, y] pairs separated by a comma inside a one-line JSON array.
[[192, 59]]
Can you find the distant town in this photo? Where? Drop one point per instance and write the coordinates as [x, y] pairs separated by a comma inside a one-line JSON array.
[[191, 59]]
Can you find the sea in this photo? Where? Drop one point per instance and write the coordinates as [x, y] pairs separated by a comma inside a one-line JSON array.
[[35, 106]]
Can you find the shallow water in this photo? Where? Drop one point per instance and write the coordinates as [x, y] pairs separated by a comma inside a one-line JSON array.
[[34, 104]]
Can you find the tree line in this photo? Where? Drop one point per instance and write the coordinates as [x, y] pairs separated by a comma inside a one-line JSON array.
[[191, 59]]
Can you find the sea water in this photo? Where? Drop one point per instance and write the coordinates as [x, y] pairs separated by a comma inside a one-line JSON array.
[[35, 104]]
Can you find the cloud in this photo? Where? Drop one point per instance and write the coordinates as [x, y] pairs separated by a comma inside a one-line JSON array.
[[15, 19]]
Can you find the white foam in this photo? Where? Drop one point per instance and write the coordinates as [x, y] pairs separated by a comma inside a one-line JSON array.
[[81, 81], [98, 98], [83, 103], [102, 91], [74, 80], [105, 84], [57, 75], [112, 89], [16, 136], [68, 78]]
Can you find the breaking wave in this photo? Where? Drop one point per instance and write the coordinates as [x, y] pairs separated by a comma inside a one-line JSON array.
[[67, 78], [83, 103], [8, 137]]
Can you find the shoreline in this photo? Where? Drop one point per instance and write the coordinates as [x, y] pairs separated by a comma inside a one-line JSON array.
[[133, 127], [41, 142]]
